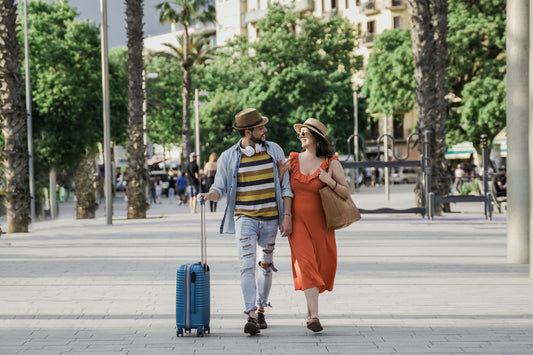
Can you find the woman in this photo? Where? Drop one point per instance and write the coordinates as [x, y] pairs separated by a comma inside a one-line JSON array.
[[313, 247], [210, 170]]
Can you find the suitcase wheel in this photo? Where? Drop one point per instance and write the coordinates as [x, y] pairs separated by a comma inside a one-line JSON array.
[[179, 332], [200, 334]]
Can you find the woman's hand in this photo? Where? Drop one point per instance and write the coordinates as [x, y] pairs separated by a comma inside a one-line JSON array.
[[325, 177], [283, 167]]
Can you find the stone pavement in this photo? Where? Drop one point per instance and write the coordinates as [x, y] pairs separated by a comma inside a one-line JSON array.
[[404, 285]]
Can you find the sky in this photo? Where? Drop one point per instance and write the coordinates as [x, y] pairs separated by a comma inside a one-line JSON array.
[[116, 18]]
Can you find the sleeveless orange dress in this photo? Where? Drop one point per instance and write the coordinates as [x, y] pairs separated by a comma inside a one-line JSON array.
[[313, 246]]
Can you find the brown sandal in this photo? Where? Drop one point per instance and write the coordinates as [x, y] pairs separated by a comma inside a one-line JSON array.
[[314, 324]]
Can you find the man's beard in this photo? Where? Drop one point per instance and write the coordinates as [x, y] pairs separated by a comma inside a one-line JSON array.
[[256, 140]]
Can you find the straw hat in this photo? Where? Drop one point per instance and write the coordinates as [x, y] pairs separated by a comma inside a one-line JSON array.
[[314, 125], [248, 119]]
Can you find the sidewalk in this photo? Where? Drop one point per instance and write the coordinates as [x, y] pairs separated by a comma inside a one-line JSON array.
[[404, 285]]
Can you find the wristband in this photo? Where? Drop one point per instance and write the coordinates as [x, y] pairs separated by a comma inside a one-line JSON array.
[[334, 187], [288, 214]]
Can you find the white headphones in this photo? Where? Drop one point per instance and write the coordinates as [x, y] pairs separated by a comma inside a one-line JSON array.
[[250, 151]]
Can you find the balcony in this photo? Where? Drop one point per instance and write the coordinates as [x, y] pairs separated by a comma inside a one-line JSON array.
[[395, 5], [299, 6], [369, 8], [368, 38]]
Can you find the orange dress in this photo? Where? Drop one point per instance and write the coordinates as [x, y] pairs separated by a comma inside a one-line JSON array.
[[313, 246]]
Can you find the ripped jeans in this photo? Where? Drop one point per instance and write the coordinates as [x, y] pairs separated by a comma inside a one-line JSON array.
[[250, 233]]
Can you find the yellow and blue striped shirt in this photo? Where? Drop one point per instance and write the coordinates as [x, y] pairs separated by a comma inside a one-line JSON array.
[[256, 193]]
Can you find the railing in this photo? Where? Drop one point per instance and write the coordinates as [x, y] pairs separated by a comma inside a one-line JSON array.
[[389, 4], [396, 161], [369, 7], [486, 197]]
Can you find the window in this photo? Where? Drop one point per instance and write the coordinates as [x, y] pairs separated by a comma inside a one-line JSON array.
[[397, 124], [333, 4], [347, 4], [357, 2], [396, 2], [396, 22], [371, 27]]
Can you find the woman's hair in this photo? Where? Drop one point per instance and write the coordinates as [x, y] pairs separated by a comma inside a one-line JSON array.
[[213, 157], [323, 148]]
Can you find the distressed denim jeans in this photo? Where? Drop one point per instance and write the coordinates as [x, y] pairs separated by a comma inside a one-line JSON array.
[[249, 234]]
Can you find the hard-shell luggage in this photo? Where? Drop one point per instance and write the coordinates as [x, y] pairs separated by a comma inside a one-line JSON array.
[[193, 291]]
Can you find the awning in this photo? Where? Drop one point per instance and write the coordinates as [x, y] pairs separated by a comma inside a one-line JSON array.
[[154, 160], [463, 150]]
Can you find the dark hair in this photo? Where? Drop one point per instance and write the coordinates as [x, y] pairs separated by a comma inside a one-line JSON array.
[[324, 148], [242, 131]]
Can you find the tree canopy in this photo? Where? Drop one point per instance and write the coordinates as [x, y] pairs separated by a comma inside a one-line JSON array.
[[65, 71], [476, 74], [389, 80], [299, 67]]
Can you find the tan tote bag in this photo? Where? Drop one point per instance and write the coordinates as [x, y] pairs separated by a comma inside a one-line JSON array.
[[340, 213]]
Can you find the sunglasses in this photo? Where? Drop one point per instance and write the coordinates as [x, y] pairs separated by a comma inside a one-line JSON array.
[[302, 134]]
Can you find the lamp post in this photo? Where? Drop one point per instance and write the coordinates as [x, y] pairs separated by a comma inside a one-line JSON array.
[[28, 110], [356, 96], [107, 124], [197, 122]]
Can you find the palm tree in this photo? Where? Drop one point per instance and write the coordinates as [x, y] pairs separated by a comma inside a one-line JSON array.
[[185, 13], [137, 174], [13, 122], [428, 34]]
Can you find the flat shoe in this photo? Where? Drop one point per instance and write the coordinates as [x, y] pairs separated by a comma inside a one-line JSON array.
[[314, 325]]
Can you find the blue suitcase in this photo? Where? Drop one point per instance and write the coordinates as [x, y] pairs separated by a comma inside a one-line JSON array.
[[193, 291]]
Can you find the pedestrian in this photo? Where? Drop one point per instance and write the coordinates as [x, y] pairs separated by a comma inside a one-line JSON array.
[[171, 190], [193, 180], [257, 204], [210, 169], [313, 246], [459, 174], [181, 187], [158, 190], [151, 183]]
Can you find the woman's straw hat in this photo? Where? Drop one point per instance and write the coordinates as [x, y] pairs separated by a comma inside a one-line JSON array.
[[314, 125]]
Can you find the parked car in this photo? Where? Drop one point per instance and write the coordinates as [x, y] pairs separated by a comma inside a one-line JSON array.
[[405, 175]]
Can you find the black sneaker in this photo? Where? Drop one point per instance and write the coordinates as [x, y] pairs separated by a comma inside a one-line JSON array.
[[252, 326], [261, 320]]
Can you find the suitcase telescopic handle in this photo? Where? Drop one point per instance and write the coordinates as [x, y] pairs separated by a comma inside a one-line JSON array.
[[203, 241]]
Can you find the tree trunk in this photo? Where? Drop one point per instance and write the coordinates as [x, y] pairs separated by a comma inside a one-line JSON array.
[[137, 175], [186, 97], [428, 34], [13, 122], [85, 180]]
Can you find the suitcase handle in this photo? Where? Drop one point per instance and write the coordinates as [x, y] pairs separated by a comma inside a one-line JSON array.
[[203, 241]]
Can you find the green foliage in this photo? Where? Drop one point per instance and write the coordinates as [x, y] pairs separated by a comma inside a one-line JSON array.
[[66, 84], [118, 95], [389, 80], [300, 67], [164, 102], [476, 73]]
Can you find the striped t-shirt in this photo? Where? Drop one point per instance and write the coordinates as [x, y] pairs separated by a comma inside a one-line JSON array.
[[256, 193]]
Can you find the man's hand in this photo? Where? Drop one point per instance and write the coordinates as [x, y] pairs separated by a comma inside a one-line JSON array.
[[212, 195]]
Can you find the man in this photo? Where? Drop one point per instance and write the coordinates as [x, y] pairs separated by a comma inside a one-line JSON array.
[[257, 203], [193, 181]]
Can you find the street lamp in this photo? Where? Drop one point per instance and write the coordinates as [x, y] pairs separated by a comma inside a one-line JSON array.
[[107, 122], [356, 131], [28, 110], [197, 122]]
